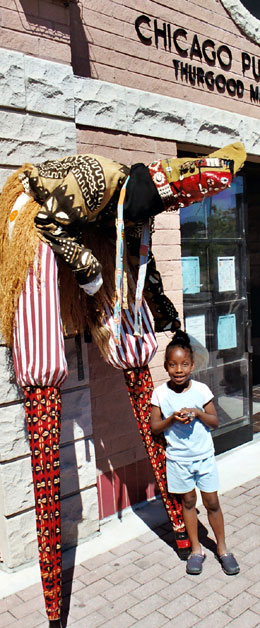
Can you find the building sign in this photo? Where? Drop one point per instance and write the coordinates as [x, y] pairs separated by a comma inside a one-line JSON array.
[[190, 48]]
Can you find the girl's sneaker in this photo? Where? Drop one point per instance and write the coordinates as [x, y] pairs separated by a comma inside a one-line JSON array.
[[194, 564], [229, 564]]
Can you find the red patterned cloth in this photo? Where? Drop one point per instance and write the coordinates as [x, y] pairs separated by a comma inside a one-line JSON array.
[[187, 180], [140, 386], [43, 409]]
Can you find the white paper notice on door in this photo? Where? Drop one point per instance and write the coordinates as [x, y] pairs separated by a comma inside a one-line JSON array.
[[227, 332], [190, 275], [226, 274], [195, 326]]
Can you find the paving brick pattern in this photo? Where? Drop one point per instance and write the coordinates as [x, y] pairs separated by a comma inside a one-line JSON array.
[[143, 583]]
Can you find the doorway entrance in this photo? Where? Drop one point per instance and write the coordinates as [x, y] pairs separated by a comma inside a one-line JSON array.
[[216, 305], [252, 177]]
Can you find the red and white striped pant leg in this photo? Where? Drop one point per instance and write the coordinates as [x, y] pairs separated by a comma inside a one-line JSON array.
[[41, 367], [38, 347], [133, 351]]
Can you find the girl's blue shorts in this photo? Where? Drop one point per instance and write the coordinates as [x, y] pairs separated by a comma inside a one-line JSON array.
[[182, 477]]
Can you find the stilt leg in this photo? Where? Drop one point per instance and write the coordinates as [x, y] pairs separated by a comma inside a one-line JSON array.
[[42, 409], [140, 386]]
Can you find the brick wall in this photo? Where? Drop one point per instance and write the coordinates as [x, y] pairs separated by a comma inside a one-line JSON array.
[[40, 28]]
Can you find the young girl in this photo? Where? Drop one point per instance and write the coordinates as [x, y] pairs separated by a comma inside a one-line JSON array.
[[183, 408]]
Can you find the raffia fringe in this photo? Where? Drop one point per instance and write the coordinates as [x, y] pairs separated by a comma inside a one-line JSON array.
[[17, 255]]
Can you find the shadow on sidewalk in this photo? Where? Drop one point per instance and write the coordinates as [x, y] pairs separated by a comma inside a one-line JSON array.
[[155, 517]]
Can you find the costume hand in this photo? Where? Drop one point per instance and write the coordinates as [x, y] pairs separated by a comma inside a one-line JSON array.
[[176, 324], [93, 286]]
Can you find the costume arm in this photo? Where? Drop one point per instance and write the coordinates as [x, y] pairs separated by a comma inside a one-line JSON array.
[[164, 313]]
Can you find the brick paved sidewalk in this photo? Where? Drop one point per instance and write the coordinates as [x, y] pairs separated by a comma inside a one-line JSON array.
[[143, 583]]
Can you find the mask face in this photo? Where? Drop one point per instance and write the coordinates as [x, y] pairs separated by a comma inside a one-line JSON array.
[[196, 180], [181, 182]]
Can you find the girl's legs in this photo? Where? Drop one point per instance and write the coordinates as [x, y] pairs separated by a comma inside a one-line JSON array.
[[215, 518], [191, 519], [140, 386]]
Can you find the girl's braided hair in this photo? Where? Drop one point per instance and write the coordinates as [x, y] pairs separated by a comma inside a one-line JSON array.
[[179, 339]]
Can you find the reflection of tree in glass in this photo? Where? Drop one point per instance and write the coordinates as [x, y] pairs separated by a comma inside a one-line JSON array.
[[222, 222], [193, 229]]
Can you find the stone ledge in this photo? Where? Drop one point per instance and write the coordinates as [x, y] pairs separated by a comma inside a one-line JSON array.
[[77, 470], [12, 87], [104, 105], [36, 85], [34, 138], [100, 104], [49, 87], [79, 515]]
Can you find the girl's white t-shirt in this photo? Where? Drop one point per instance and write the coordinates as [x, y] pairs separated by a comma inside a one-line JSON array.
[[191, 441]]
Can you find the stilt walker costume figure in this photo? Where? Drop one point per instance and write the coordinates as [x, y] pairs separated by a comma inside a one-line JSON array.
[[62, 211]]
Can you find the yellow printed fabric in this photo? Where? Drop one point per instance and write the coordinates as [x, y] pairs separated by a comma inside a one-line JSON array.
[[71, 192]]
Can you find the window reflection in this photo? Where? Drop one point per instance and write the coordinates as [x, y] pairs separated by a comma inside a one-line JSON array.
[[215, 217], [223, 215], [193, 220], [214, 288]]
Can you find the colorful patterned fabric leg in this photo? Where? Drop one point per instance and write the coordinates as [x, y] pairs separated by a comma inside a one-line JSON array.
[[43, 409], [41, 367], [140, 386]]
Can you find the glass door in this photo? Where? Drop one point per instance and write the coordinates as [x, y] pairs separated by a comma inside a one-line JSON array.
[[215, 276]]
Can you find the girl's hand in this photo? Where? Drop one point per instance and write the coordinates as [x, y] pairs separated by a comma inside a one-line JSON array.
[[183, 416], [208, 416], [189, 413]]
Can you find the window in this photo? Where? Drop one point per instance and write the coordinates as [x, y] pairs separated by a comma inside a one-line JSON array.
[[214, 267]]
